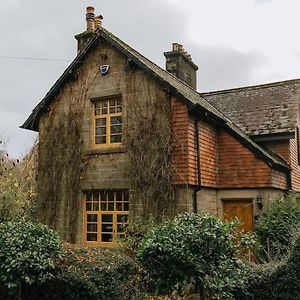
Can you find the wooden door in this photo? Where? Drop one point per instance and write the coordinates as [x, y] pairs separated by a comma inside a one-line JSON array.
[[242, 209]]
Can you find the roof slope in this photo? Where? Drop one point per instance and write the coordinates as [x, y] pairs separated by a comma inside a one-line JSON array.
[[172, 83], [263, 109]]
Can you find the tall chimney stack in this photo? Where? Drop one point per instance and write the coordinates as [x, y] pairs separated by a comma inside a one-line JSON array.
[[90, 18], [179, 63], [92, 23]]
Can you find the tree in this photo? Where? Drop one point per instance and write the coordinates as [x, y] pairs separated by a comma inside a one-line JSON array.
[[27, 251], [197, 249]]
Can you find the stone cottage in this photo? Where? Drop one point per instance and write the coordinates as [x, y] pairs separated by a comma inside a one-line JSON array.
[[119, 136]]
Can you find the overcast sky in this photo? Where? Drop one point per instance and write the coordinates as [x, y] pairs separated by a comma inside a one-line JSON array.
[[234, 43]]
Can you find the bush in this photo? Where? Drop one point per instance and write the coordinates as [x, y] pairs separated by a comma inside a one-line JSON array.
[[198, 249], [276, 225], [89, 273], [275, 280], [27, 253]]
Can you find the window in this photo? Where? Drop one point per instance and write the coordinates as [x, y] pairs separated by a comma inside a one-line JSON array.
[[298, 145], [106, 215], [107, 117]]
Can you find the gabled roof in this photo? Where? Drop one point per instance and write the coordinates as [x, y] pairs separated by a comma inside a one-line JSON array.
[[192, 98], [262, 109]]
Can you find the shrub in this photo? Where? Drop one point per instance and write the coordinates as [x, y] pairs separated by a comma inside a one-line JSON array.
[[276, 225], [27, 253], [89, 273], [198, 249]]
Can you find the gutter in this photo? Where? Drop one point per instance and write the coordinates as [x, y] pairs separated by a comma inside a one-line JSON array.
[[198, 187]]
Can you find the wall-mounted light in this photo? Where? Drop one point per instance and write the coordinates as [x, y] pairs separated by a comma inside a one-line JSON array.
[[260, 202]]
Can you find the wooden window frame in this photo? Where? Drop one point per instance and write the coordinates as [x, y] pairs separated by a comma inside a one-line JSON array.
[[97, 114], [94, 207]]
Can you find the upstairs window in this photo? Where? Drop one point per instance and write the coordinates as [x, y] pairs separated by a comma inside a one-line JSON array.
[[107, 115]]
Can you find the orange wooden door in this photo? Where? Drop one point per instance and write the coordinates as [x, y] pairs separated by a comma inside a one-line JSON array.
[[242, 209]]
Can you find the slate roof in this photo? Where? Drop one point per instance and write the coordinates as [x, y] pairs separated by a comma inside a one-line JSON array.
[[192, 98], [260, 110]]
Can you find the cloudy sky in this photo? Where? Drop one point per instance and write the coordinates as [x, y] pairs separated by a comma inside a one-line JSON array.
[[234, 43]]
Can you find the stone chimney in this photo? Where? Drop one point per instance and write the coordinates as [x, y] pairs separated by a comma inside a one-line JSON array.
[[92, 23], [179, 63]]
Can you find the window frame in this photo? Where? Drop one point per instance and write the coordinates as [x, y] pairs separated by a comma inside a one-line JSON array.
[[100, 213], [107, 117]]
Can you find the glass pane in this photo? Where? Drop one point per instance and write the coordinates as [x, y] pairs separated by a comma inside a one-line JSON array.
[[96, 206], [104, 103], [116, 129], [112, 103], [126, 206], [97, 112], [89, 196], [122, 218], [107, 228], [107, 218], [110, 196], [92, 218], [119, 196], [103, 196], [100, 139], [100, 122], [126, 196], [111, 206], [91, 227], [116, 138], [119, 102], [92, 237], [116, 120], [100, 130], [119, 206], [103, 206], [97, 105], [106, 237], [89, 206], [95, 196], [112, 110], [104, 111]]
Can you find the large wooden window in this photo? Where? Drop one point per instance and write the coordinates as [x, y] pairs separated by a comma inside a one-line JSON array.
[[107, 122], [106, 215]]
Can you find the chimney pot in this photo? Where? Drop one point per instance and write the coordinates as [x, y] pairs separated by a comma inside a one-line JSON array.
[[98, 21], [90, 18], [175, 46]]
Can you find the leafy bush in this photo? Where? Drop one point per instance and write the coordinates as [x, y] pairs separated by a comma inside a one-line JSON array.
[[89, 273], [27, 253], [198, 249], [276, 225], [275, 280]]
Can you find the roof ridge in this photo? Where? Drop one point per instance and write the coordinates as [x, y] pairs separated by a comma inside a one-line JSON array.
[[256, 87]]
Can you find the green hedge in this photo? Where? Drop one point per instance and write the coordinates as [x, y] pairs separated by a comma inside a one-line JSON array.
[[275, 281], [88, 273]]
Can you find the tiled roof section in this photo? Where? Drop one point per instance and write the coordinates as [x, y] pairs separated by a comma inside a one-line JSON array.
[[263, 109], [175, 86]]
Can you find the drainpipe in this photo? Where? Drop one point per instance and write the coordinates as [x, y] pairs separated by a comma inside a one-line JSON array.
[[198, 187]]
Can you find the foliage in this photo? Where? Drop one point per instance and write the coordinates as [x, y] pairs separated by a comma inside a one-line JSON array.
[[276, 225], [193, 248], [27, 253], [275, 280], [89, 273], [17, 185]]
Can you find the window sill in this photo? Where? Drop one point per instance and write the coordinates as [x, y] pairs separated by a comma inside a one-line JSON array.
[[120, 149]]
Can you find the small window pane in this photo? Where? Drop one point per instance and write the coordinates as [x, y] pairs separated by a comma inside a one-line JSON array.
[[106, 237], [116, 138], [112, 103], [107, 218], [103, 206], [119, 196], [122, 218], [89, 206], [107, 228], [116, 129], [111, 206], [119, 206], [100, 122], [100, 139], [88, 196], [96, 206], [116, 120], [92, 218], [91, 227], [92, 237], [126, 206], [112, 110], [119, 109], [96, 196], [111, 196], [100, 130]]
